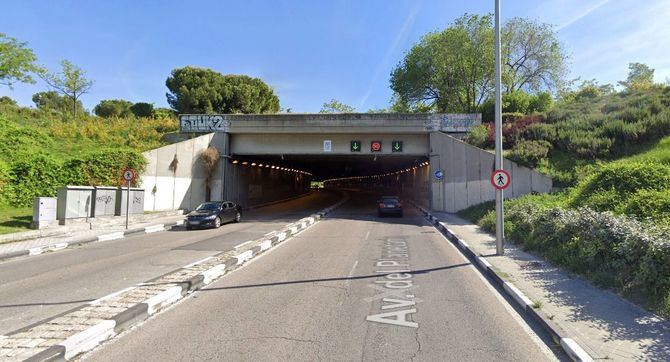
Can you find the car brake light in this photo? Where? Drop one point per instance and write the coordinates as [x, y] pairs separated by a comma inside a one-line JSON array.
[[381, 205], [399, 204]]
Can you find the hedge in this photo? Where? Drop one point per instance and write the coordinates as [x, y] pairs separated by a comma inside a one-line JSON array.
[[35, 174], [613, 251]]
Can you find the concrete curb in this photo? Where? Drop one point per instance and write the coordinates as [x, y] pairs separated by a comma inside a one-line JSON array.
[[572, 348], [104, 320], [121, 234], [91, 239]]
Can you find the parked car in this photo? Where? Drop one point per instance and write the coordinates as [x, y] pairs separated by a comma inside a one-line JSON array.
[[213, 214], [389, 205]]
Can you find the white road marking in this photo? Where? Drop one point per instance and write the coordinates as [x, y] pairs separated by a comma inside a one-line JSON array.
[[109, 296], [197, 262], [534, 337], [112, 236], [154, 229], [367, 235], [243, 244], [35, 251], [353, 269]]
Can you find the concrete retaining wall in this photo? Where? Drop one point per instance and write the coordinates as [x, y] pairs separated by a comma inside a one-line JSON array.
[[467, 175], [183, 187]]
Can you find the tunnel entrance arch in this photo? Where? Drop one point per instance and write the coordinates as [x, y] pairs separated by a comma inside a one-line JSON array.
[[268, 157]]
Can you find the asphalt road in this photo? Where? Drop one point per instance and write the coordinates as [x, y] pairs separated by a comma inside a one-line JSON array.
[[39, 287], [352, 287]]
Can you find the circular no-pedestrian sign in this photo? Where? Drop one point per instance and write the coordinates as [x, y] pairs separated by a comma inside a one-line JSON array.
[[129, 174], [439, 174], [500, 179]]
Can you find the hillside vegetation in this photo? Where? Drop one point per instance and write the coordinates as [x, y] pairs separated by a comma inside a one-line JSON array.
[[611, 222], [41, 152]]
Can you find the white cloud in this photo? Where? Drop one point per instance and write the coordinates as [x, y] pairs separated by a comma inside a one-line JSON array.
[[399, 39], [582, 14]]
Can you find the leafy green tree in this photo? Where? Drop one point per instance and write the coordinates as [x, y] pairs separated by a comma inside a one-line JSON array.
[[163, 113], [7, 101], [533, 57], [201, 90], [450, 71], [113, 108], [335, 106], [71, 82], [453, 70], [517, 102], [142, 109], [17, 62], [540, 102], [640, 76], [51, 101]]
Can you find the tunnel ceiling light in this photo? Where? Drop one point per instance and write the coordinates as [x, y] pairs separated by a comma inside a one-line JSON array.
[[260, 165], [253, 164], [245, 163], [235, 161], [266, 166]]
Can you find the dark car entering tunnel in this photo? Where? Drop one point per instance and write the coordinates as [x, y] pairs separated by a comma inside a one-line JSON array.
[[213, 214], [389, 205]]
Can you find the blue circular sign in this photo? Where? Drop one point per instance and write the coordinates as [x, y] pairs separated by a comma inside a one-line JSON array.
[[439, 174]]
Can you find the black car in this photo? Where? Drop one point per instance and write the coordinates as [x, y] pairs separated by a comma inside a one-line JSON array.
[[213, 214], [389, 205]]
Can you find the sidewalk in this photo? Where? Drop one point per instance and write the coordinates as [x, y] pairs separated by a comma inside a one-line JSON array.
[[602, 323], [75, 236]]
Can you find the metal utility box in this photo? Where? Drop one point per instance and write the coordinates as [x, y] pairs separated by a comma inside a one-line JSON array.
[[44, 212], [74, 202], [104, 201], [136, 201]]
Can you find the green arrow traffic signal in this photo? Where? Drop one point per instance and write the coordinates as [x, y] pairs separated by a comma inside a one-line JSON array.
[[355, 146], [397, 146]]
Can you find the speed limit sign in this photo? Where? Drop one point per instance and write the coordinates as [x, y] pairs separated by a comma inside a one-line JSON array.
[[129, 174]]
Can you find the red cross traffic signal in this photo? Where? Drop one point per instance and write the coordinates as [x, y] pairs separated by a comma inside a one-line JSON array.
[[376, 146]]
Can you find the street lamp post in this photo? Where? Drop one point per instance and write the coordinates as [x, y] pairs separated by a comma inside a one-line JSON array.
[[500, 232]]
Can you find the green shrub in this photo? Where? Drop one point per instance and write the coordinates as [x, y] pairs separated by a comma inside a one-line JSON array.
[[530, 153], [625, 178], [478, 136], [540, 132], [35, 175], [649, 204], [6, 190]]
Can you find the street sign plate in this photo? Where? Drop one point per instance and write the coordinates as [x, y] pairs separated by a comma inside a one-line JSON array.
[[327, 145], [439, 174], [396, 146], [376, 146], [500, 179], [355, 146], [129, 174]]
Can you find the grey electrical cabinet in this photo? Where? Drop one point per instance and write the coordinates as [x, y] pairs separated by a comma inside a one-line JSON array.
[[44, 212], [74, 202], [136, 201], [104, 201]]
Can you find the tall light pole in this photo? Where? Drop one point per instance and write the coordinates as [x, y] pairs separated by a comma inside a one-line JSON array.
[[500, 231]]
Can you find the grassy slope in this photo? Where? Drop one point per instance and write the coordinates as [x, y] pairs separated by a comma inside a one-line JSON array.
[[27, 130]]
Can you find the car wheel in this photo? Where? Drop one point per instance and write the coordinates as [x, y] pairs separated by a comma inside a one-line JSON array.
[[238, 216], [189, 228], [379, 214], [217, 222]]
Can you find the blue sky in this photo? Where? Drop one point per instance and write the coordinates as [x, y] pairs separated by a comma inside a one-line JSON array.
[[308, 51]]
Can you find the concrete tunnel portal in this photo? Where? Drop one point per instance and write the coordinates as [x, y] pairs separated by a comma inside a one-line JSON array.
[[266, 158]]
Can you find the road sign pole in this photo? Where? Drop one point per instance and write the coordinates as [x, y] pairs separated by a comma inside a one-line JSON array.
[[500, 226], [127, 203]]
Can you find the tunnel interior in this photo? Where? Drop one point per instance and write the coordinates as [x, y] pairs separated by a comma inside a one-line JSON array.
[[326, 167], [263, 178]]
